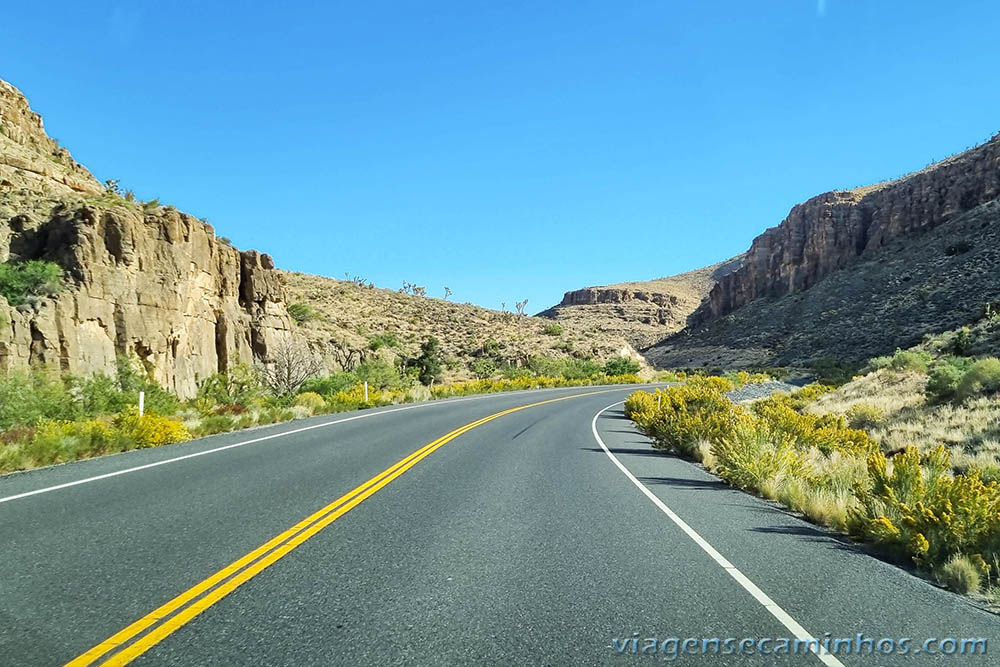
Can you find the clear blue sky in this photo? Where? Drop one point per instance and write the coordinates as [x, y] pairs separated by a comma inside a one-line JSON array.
[[508, 150]]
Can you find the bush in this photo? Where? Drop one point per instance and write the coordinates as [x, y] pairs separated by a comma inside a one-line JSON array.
[[380, 375], [483, 368], [331, 384], [911, 360], [960, 574], [21, 280], [866, 417], [621, 366], [757, 457], [918, 509], [428, 364], [384, 339], [28, 397], [983, 377], [150, 430], [553, 329], [827, 433], [213, 424], [301, 312], [686, 414], [310, 400], [945, 374]]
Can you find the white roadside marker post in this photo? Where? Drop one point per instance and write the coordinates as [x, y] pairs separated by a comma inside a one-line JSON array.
[[142, 402], [366, 392]]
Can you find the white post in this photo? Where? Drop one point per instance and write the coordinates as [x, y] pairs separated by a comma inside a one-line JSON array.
[[366, 392], [659, 400], [142, 402]]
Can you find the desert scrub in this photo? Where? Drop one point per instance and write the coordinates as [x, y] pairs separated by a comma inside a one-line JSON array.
[[311, 400], [678, 418], [918, 509], [827, 432], [621, 366], [301, 312], [983, 377], [962, 574], [756, 457], [864, 417], [150, 430]]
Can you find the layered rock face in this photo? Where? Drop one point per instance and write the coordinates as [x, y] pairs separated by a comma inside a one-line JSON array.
[[145, 281], [832, 230], [592, 295]]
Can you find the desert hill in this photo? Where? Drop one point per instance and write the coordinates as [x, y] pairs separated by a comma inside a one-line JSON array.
[[852, 274], [642, 312]]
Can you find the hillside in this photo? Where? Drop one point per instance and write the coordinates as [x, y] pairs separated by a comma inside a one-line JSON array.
[[642, 312], [348, 315], [144, 280], [853, 274]]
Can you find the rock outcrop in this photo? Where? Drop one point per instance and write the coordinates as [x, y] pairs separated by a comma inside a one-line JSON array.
[[141, 280], [641, 312], [830, 231]]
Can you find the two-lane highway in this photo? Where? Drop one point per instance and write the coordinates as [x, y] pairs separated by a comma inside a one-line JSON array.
[[531, 528]]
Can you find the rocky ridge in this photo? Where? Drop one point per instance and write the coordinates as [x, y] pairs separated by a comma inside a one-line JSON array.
[[831, 231]]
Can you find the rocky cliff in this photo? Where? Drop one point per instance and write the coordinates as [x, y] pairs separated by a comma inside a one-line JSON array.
[[830, 231], [141, 279]]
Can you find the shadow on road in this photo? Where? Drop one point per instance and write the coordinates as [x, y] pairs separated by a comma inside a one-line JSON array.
[[636, 451], [687, 483]]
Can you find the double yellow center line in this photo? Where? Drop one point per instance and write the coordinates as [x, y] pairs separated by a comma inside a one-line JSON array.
[[161, 622]]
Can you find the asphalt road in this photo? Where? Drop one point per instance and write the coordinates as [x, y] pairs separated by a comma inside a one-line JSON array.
[[517, 542]]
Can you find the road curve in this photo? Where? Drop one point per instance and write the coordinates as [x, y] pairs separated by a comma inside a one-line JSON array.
[[519, 540]]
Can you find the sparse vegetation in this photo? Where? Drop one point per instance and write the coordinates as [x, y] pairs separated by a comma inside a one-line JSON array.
[[301, 312], [20, 282]]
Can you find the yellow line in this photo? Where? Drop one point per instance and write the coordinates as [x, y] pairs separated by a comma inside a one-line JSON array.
[[226, 580]]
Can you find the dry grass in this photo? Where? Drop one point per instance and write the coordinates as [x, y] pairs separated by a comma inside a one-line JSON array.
[[970, 429]]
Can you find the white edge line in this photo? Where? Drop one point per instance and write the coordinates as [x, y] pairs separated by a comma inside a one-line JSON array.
[[752, 588], [116, 473]]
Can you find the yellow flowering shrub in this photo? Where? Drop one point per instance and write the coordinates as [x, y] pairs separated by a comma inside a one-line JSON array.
[[828, 433], [918, 508], [679, 417], [755, 456], [150, 430]]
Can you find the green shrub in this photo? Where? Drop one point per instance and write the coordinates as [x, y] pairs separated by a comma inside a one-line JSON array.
[[27, 397], [553, 329], [961, 575], [621, 366], [963, 341], [483, 368], [213, 424], [427, 366], [240, 384], [331, 384], [21, 280], [911, 360], [380, 374], [384, 339], [945, 374], [301, 312], [983, 377], [867, 417]]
